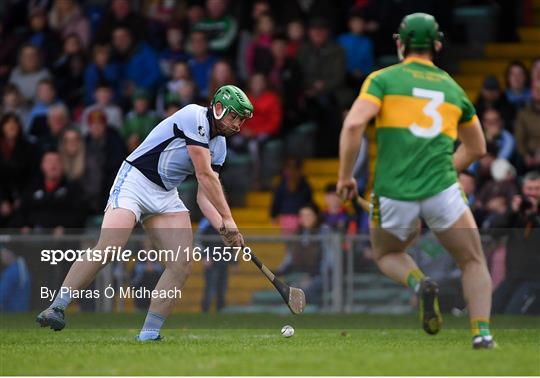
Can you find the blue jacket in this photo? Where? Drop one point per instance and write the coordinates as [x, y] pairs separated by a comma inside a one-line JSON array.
[[142, 68], [359, 52], [93, 76], [201, 73], [15, 287]]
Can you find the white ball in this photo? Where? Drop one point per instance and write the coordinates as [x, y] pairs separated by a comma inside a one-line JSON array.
[[287, 331]]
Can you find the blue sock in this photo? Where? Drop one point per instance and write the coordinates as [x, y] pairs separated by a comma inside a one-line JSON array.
[[152, 325], [62, 299]]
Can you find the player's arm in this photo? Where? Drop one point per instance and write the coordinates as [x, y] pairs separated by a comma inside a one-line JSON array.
[[362, 111], [209, 210], [473, 144], [210, 186]]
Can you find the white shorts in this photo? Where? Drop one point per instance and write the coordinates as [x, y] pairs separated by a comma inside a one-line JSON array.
[[400, 218], [133, 191]]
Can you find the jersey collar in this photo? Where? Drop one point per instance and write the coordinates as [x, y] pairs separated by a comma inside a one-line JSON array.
[[210, 121], [418, 60]]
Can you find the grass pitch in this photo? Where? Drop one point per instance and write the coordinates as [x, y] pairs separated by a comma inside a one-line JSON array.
[[104, 344]]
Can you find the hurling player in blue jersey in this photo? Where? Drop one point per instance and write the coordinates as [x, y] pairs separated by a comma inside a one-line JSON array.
[[191, 141]]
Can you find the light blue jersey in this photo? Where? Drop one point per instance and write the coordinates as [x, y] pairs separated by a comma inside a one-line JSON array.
[[163, 157]]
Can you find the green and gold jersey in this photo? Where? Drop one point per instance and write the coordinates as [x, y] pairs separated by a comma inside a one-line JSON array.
[[421, 109]]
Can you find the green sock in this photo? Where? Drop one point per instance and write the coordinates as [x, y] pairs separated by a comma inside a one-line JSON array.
[[480, 327], [414, 277]]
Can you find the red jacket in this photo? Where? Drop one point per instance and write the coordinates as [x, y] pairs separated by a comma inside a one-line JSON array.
[[267, 114]]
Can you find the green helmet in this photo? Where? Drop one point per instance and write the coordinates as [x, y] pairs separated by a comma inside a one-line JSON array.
[[234, 99], [419, 31]]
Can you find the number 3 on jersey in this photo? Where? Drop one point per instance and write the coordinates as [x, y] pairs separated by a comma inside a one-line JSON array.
[[437, 98]]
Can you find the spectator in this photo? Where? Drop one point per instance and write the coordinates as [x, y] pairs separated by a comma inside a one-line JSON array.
[[521, 223], [258, 53], [14, 282], [216, 269], [120, 14], [105, 151], [104, 101], [67, 17], [174, 52], [173, 104], [72, 155], [9, 43], [265, 124], [334, 215], [220, 28], [251, 15], [69, 71], [57, 121], [497, 193], [12, 103], [358, 50], [268, 106], [296, 35], [51, 202], [259, 8], [286, 77], [137, 63], [188, 93], [195, 14], [528, 130], [74, 159], [39, 34], [292, 192], [201, 63], [222, 74], [497, 135], [139, 121], [28, 73], [18, 158], [100, 71], [482, 168], [305, 260], [517, 85], [181, 77], [323, 65], [161, 14], [46, 98], [491, 97]]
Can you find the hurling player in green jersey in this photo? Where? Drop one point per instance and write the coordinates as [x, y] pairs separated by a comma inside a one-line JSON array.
[[420, 111]]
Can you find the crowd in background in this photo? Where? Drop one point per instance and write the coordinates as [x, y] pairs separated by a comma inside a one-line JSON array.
[[83, 83]]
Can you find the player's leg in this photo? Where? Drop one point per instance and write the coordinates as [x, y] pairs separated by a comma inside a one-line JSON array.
[[394, 225], [392, 260], [168, 231], [115, 231], [452, 221], [462, 240]]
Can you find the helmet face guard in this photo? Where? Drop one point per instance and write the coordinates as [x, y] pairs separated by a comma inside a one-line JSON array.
[[227, 110]]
